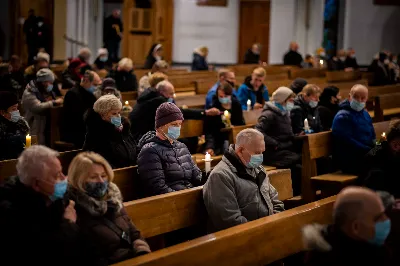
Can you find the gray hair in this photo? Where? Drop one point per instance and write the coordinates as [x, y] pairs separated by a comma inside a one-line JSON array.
[[164, 85], [349, 210], [247, 136], [32, 162], [356, 88]]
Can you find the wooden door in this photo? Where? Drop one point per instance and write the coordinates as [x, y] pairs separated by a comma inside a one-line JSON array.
[[164, 14], [254, 27]]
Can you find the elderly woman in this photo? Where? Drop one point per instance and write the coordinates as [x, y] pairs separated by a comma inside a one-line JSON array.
[[200, 58], [124, 77], [107, 87], [154, 55], [100, 211], [305, 107], [102, 61], [37, 100], [109, 134], [160, 66], [165, 164], [13, 127]]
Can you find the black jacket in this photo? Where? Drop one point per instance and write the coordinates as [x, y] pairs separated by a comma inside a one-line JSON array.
[[103, 65], [9, 84], [382, 74], [213, 124], [76, 102], [69, 79], [251, 58], [12, 138], [351, 62], [327, 112], [336, 65], [35, 234], [125, 81], [380, 170], [110, 32], [165, 167], [150, 60], [301, 111], [199, 62], [19, 79], [292, 58], [118, 148]]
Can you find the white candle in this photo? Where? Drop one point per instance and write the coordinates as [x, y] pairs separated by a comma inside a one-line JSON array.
[[226, 114], [383, 135], [321, 62], [248, 105], [306, 126], [126, 103], [28, 141], [208, 162]]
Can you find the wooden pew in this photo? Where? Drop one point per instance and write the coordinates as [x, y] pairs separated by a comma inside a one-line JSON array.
[[307, 73], [387, 105], [340, 76], [128, 96], [204, 85], [259, 242], [186, 83], [193, 101]]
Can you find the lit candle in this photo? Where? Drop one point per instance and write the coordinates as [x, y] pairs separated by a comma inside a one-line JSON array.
[[126, 103], [248, 105], [321, 62], [383, 136], [28, 141], [306, 126], [208, 162], [226, 114]]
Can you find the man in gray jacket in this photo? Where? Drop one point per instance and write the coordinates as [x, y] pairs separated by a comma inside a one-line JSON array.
[[238, 189]]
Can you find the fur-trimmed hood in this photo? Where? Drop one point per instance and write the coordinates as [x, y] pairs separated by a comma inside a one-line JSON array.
[[94, 206], [314, 237]]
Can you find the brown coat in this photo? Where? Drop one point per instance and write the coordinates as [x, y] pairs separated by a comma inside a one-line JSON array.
[[92, 216]]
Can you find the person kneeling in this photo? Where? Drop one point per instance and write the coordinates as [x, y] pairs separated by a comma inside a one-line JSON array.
[[238, 189]]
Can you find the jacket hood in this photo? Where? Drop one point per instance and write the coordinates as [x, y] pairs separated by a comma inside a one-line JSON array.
[[271, 106], [314, 237], [345, 105], [148, 95], [299, 101], [31, 86], [97, 124]]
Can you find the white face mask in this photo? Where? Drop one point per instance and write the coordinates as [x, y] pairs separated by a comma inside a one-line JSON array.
[[386, 62], [40, 24], [342, 58]]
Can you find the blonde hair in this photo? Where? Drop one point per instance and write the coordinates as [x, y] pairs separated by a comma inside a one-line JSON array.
[[259, 72], [311, 89], [156, 78], [107, 103], [202, 50], [78, 171], [125, 63]]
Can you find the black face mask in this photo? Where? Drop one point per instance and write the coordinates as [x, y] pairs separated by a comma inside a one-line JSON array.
[[231, 83]]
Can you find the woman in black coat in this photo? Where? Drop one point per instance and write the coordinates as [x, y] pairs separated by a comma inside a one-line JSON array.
[[165, 165], [200, 59], [101, 215], [328, 106], [223, 100], [154, 55], [108, 134], [124, 76]]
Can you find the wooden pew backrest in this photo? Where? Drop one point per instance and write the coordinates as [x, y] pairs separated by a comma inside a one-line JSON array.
[[128, 96], [259, 242], [191, 128], [281, 180], [251, 117], [340, 76], [374, 91], [127, 180], [307, 73], [386, 105], [204, 85]]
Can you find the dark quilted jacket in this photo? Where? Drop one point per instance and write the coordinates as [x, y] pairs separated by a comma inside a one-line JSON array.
[[165, 167]]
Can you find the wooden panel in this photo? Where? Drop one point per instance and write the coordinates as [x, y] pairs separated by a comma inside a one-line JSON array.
[[137, 48], [281, 180], [273, 85], [339, 76], [251, 117], [388, 101], [307, 73], [204, 85], [259, 242], [320, 144], [127, 181], [374, 91], [193, 101], [128, 96], [191, 128]]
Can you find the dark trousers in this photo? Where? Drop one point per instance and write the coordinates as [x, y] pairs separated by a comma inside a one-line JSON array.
[[113, 50], [32, 52]]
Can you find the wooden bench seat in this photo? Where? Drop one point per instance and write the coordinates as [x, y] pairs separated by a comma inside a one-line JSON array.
[[259, 242], [330, 184], [343, 76]]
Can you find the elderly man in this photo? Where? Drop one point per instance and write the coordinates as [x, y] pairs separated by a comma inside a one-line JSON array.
[[112, 32], [37, 224], [338, 62], [353, 132], [159, 66], [143, 114], [238, 189], [357, 235], [76, 102], [292, 57], [223, 75], [252, 55], [84, 55]]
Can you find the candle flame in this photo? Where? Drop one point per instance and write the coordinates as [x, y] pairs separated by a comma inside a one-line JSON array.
[[126, 103], [321, 62], [383, 134], [248, 102], [28, 136], [226, 113]]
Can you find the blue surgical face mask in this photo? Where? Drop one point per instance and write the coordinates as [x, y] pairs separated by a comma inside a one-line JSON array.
[[91, 89], [224, 100], [15, 116], [313, 104], [356, 105], [255, 160], [174, 132], [96, 189], [289, 106], [382, 230], [59, 190], [116, 121], [170, 100], [104, 59], [49, 88]]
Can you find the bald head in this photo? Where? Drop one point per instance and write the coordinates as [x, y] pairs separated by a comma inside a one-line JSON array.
[[294, 46], [359, 93], [166, 89]]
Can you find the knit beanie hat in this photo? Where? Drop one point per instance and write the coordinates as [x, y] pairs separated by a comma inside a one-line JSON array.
[[7, 99], [108, 82], [106, 103], [281, 94], [298, 85], [167, 113], [44, 74]]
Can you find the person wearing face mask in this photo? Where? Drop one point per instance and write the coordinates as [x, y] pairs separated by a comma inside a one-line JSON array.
[[100, 210], [154, 55], [13, 127], [352, 131], [252, 55], [357, 235], [254, 90], [381, 163], [103, 61], [160, 66], [238, 189], [224, 75], [383, 75], [338, 62], [351, 60], [77, 101], [275, 124], [42, 61], [109, 134], [223, 100], [305, 107], [124, 76], [164, 164], [107, 87], [72, 76], [37, 100], [328, 106], [37, 217]]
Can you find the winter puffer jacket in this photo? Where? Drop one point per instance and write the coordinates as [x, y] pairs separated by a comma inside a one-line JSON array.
[[301, 111], [165, 167]]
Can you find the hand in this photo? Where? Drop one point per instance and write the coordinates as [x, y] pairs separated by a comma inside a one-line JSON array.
[[59, 101], [213, 112], [211, 152], [348, 69], [70, 213], [258, 106]]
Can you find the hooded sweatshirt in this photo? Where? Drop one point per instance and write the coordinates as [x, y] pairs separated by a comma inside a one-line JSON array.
[[246, 92]]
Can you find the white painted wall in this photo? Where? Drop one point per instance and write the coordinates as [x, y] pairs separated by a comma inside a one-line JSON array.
[[215, 27], [369, 28]]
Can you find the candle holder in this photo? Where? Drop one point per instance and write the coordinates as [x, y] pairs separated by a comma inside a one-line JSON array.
[[382, 139]]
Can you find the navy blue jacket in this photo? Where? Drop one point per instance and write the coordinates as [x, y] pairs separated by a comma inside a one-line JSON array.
[[353, 137], [199, 62]]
